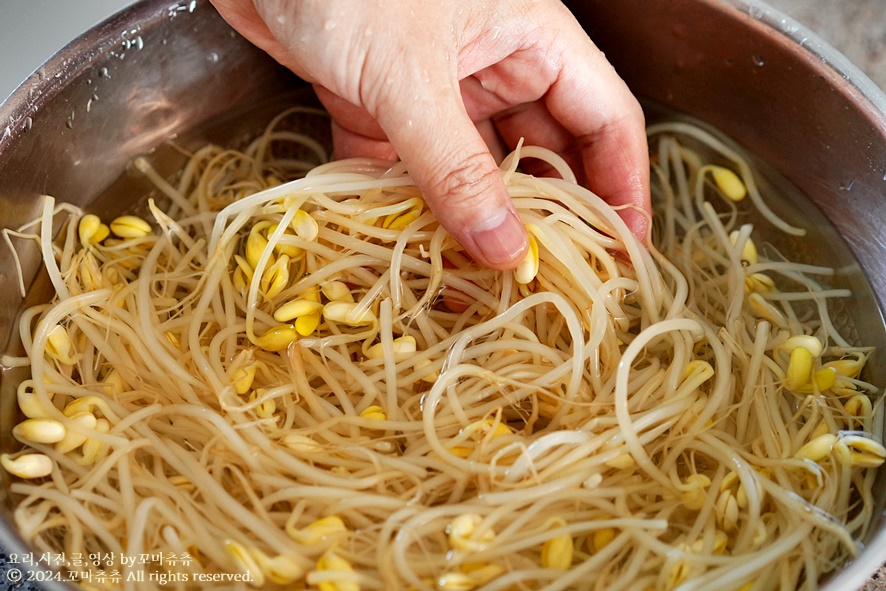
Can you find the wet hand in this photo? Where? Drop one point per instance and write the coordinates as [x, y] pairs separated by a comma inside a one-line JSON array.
[[444, 85]]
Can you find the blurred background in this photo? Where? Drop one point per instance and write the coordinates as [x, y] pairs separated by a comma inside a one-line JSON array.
[[855, 27], [31, 31]]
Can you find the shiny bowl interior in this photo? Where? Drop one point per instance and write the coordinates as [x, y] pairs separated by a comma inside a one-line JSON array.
[[158, 71]]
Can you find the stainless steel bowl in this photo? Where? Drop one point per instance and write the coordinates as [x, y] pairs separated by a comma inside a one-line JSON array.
[[160, 70]]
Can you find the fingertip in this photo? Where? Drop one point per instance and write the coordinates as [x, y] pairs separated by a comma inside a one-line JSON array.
[[499, 241], [469, 198], [638, 222], [462, 185], [449, 160]]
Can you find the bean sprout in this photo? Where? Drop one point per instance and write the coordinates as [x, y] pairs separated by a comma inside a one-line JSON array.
[[290, 372]]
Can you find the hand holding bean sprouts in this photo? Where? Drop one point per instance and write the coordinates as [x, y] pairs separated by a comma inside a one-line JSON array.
[[447, 86]]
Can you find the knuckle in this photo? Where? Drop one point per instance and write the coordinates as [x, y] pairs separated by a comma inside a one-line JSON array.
[[630, 120], [380, 87], [468, 184]]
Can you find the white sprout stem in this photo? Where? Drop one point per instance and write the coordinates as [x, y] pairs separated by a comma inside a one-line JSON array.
[[625, 410]]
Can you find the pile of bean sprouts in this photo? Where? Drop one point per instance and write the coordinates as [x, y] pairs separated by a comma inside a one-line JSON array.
[[289, 371]]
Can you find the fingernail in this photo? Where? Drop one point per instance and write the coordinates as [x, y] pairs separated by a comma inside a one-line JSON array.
[[500, 240]]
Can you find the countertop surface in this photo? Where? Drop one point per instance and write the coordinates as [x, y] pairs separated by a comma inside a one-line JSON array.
[[32, 31]]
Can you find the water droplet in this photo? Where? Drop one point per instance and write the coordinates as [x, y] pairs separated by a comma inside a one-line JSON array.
[[759, 60], [103, 73], [329, 25], [212, 57], [27, 124], [281, 19]]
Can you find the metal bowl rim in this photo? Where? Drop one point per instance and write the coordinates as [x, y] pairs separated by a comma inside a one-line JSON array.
[[67, 64]]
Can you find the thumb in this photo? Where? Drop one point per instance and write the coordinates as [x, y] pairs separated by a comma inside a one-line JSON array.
[[451, 164]]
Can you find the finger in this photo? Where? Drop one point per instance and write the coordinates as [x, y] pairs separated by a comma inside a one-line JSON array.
[[348, 115], [348, 144], [596, 106], [537, 127], [494, 142], [585, 112], [354, 132], [481, 106], [449, 160], [517, 113], [245, 18]]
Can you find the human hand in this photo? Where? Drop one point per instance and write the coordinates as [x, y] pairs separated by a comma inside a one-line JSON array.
[[439, 84]]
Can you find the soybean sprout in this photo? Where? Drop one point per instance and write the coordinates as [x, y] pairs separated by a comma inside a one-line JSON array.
[[291, 372]]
